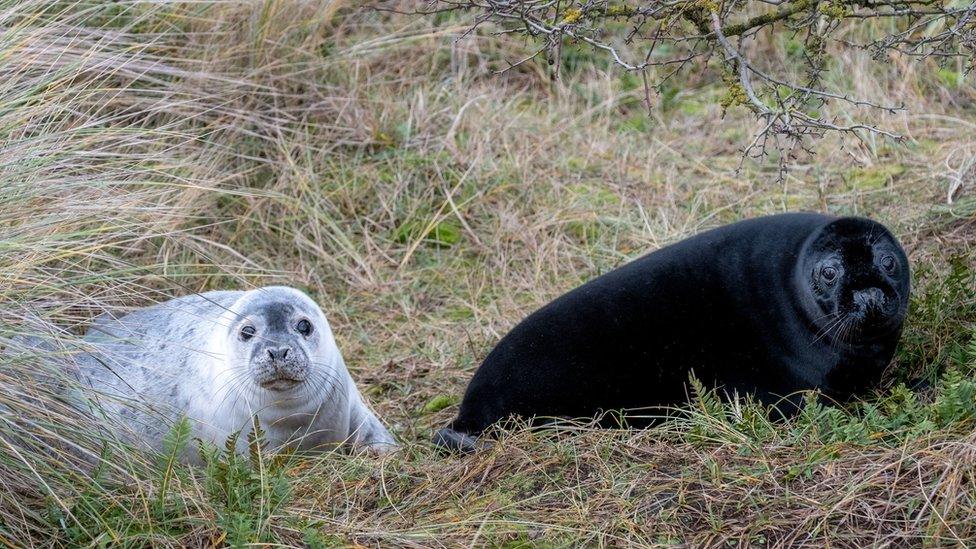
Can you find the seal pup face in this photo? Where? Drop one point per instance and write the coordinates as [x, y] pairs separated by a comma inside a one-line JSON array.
[[858, 277], [281, 339]]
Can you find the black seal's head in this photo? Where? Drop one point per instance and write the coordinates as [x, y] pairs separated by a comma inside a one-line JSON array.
[[280, 338], [855, 276]]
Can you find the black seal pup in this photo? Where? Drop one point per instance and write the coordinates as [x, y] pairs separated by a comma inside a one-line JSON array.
[[767, 306]]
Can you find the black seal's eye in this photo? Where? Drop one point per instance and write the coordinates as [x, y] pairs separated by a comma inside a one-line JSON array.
[[304, 327], [247, 332], [829, 274], [888, 262]]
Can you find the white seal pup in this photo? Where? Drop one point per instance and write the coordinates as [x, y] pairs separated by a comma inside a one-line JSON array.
[[220, 358]]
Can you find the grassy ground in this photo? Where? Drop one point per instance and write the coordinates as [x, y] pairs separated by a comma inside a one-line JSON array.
[[151, 150]]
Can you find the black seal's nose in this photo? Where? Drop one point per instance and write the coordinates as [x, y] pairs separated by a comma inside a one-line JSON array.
[[278, 354], [870, 301]]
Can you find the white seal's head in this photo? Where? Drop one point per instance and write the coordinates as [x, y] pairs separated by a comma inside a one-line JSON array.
[[277, 340]]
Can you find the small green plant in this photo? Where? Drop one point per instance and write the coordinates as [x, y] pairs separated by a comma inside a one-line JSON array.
[[174, 444], [445, 233], [940, 322], [99, 513], [440, 402], [891, 419], [247, 491]]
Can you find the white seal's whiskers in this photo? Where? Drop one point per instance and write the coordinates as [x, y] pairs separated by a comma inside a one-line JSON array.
[[325, 377], [232, 386]]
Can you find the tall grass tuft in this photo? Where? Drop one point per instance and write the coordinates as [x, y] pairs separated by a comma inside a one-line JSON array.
[[118, 129]]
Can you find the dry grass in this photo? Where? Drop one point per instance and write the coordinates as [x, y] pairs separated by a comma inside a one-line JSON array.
[[154, 149]]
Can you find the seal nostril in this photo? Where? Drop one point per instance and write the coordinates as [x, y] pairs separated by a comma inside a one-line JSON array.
[[875, 297], [284, 353]]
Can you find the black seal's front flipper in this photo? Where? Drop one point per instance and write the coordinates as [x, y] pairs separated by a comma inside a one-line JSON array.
[[455, 442]]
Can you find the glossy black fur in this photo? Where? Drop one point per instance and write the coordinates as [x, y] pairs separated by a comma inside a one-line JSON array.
[[746, 306]]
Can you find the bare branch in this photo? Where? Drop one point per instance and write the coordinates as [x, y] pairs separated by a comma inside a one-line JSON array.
[[679, 34]]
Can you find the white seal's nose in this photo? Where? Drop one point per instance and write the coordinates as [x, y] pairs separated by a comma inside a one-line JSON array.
[[278, 354]]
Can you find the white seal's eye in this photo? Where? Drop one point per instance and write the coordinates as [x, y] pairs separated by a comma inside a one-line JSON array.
[[828, 274], [304, 327], [247, 332], [888, 262]]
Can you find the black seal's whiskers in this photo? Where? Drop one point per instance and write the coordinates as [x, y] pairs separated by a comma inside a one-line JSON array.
[[833, 320]]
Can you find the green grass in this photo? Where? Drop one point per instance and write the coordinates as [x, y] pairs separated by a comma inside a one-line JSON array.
[[151, 150]]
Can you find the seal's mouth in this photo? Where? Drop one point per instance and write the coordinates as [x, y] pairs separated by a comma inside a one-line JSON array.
[[281, 384], [280, 375]]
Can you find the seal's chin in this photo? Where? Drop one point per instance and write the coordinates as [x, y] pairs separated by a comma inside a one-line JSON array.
[[280, 384]]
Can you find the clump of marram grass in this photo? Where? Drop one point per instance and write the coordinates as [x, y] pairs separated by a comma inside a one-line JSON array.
[[111, 140], [155, 149]]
